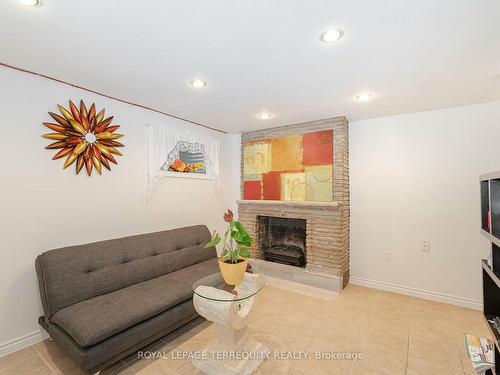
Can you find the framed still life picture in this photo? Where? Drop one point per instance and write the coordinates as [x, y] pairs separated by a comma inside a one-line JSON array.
[[186, 157], [180, 154]]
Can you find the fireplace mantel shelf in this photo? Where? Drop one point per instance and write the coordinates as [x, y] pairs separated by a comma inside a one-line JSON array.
[[291, 203]]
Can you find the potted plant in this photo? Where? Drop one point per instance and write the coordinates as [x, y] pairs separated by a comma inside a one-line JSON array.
[[236, 242]]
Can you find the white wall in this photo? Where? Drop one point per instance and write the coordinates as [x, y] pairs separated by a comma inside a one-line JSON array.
[[236, 183], [43, 206], [416, 177]]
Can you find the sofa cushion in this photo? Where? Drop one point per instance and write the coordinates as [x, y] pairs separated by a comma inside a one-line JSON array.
[[195, 272], [94, 320], [121, 345]]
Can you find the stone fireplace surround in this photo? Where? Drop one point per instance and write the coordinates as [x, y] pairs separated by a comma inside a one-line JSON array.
[[327, 230]]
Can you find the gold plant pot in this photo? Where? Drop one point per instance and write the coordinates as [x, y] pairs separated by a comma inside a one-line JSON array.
[[233, 273]]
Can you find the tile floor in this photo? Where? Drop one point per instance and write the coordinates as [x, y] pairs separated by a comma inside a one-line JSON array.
[[397, 335]]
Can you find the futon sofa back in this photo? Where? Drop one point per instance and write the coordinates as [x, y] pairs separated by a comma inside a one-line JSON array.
[[77, 273]]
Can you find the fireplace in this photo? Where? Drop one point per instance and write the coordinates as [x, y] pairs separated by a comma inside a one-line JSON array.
[[325, 249], [282, 240]]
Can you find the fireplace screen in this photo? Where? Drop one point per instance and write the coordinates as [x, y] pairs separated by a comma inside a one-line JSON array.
[[283, 240]]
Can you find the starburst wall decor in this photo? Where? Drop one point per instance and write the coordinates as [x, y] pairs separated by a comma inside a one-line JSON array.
[[84, 137]]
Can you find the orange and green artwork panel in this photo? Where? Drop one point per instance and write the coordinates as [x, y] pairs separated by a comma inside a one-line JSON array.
[[286, 153], [252, 190], [257, 157], [271, 186], [291, 168], [318, 148], [293, 186], [319, 180]]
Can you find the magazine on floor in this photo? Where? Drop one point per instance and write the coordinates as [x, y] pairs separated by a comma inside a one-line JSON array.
[[481, 353]]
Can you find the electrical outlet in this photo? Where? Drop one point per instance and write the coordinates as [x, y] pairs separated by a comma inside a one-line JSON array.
[[388, 256], [425, 246]]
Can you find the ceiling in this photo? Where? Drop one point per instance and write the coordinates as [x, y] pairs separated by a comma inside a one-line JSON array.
[[261, 55]]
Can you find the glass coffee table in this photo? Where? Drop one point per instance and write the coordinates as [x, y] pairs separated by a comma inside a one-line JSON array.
[[232, 351]]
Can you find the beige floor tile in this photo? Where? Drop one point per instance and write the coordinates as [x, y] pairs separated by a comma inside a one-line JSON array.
[[358, 289], [277, 344], [462, 313], [390, 337], [16, 357], [426, 309], [446, 354], [187, 368], [359, 368], [357, 299], [473, 327], [282, 340], [320, 367], [75, 370], [273, 366], [419, 366], [437, 330], [353, 308], [31, 366], [466, 364], [293, 335], [321, 358], [391, 307], [278, 296], [54, 356], [389, 320], [341, 344], [437, 317], [430, 305], [343, 324], [307, 305], [394, 297], [379, 358]]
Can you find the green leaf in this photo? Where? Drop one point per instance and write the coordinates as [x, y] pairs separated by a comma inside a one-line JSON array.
[[240, 235], [244, 253], [239, 227], [234, 256], [225, 255], [214, 241]]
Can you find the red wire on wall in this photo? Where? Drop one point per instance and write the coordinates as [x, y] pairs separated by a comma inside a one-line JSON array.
[[110, 97]]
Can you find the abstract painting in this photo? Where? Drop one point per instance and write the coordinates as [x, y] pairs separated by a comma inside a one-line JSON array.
[[289, 168]]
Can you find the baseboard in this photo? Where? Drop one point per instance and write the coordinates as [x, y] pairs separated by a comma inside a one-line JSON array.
[[21, 342], [414, 292]]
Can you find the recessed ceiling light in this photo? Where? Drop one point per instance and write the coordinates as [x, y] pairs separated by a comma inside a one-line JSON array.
[[364, 96], [265, 115], [30, 3], [331, 35], [198, 83]]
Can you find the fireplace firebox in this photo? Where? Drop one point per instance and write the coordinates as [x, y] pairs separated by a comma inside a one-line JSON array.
[[283, 240]]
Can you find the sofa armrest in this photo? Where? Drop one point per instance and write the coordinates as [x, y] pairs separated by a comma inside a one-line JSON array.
[[43, 293]]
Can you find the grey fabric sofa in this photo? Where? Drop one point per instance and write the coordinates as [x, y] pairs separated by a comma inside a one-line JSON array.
[[106, 300]]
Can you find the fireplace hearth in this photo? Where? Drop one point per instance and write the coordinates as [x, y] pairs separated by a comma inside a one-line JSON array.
[[283, 240]]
